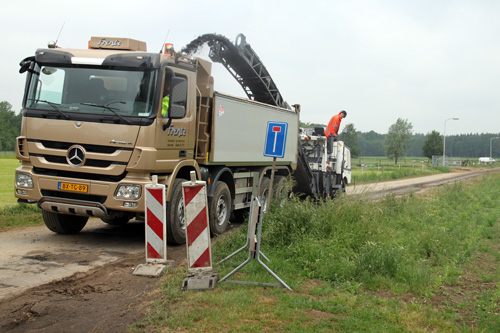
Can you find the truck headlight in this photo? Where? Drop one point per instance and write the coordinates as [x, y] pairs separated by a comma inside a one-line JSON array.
[[24, 180], [128, 192]]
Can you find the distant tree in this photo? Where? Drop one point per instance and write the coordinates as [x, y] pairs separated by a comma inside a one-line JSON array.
[[371, 143], [10, 126], [396, 141], [415, 145], [350, 136], [433, 145]]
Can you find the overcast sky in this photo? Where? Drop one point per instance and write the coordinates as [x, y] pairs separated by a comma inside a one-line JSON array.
[[424, 60]]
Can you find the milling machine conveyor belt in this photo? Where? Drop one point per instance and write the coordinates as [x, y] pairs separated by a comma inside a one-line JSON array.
[[248, 70]]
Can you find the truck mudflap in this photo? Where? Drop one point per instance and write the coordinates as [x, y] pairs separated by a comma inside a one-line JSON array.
[[73, 207]]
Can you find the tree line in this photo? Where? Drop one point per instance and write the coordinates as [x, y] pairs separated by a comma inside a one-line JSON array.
[[463, 145], [10, 126], [397, 143]]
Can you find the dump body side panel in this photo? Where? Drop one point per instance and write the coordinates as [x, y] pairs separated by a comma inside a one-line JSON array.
[[239, 131]]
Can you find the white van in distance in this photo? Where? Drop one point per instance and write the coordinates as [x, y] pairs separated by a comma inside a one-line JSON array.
[[486, 160]]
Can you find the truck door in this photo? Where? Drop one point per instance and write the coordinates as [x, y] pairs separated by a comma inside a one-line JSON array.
[[173, 136]]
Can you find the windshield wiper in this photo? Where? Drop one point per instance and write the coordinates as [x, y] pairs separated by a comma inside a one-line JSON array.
[[107, 107], [53, 105]]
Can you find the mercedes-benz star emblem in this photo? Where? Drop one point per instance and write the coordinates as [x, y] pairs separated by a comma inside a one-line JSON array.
[[76, 155]]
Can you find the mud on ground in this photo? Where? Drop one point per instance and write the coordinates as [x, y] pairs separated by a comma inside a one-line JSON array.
[[104, 299]]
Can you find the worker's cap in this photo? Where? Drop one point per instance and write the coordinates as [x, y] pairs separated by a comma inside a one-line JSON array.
[[345, 113]]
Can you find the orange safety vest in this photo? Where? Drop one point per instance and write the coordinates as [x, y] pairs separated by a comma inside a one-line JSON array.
[[333, 125]]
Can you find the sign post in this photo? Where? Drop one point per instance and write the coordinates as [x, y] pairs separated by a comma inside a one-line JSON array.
[[274, 147]]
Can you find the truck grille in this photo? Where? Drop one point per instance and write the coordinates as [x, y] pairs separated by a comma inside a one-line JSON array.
[[88, 162], [97, 162], [88, 148], [79, 175], [74, 196]]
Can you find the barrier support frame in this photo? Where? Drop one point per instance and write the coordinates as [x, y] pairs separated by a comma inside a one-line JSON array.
[[254, 253]]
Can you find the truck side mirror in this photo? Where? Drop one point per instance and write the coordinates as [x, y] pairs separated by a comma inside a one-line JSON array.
[[26, 64], [178, 98]]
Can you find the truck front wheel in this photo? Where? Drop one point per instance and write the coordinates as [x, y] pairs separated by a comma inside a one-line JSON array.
[[176, 222], [220, 209], [62, 223]]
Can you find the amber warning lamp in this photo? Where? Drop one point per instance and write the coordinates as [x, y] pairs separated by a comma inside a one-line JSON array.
[[169, 48]]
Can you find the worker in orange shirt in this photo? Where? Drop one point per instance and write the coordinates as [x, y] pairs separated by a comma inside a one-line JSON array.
[[333, 128]]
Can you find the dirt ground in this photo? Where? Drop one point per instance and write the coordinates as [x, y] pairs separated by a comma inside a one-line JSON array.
[[107, 298]]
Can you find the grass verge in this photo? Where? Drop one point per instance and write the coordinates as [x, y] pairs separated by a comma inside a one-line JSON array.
[[401, 264], [20, 215], [8, 164], [376, 173], [12, 214]]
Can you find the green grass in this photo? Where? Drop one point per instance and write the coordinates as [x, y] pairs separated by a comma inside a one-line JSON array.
[[8, 164], [20, 215], [13, 214], [376, 169], [401, 264]]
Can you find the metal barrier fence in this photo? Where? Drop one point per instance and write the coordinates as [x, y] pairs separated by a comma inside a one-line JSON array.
[[452, 162]]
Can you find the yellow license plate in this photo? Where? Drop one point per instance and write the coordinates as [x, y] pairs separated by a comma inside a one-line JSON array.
[[73, 187]]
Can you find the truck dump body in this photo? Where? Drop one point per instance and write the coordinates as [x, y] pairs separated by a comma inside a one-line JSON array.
[[239, 131]]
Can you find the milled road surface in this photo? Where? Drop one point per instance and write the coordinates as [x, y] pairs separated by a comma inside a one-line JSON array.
[[34, 256]]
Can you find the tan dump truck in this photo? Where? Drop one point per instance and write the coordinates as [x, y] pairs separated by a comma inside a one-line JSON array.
[[98, 123]]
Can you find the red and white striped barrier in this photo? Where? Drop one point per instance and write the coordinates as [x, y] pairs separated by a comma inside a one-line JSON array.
[[156, 230], [199, 253]]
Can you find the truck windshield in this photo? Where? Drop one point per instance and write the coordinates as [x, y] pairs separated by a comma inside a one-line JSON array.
[[92, 90]]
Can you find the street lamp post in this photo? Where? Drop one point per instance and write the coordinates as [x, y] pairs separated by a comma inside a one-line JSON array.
[[444, 139], [491, 140]]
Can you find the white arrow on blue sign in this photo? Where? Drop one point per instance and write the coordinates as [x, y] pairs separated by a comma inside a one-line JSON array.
[[275, 139]]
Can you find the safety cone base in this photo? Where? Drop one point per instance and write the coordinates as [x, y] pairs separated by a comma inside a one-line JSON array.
[[150, 269], [200, 281]]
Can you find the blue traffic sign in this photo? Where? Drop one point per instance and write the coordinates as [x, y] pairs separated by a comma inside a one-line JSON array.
[[275, 139]]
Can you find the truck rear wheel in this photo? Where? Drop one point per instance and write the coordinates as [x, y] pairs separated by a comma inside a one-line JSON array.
[[176, 222], [264, 193], [340, 181], [280, 190], [62, 223], [220, 209]]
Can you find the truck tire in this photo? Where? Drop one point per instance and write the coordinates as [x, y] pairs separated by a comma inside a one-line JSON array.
[[62, 223], [280, 190], [176, 222], [122, 220], [340, 181], [220, 209], [264, 192]]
